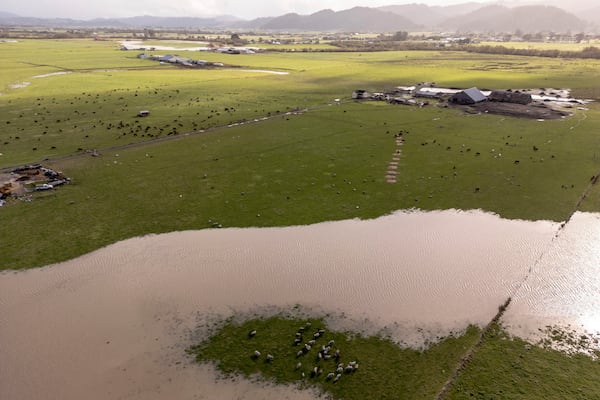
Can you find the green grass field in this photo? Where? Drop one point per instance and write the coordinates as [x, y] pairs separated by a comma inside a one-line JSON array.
[[291, 173], [326, 164], [563, 46]]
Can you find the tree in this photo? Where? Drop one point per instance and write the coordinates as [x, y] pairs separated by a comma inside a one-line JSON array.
[[400, 36]]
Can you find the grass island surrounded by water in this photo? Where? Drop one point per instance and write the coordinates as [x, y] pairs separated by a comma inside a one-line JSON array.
[[501, 366]]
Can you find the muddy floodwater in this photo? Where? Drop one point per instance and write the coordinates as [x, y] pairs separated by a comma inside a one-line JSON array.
[[114, 323], [563, 289]]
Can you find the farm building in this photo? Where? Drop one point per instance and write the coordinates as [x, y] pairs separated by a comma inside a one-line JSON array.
[[510, 97], [468, 96], [166, 58], [426, 94], [360, 94]]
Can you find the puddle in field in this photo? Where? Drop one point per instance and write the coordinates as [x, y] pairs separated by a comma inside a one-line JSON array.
[[266, 71], [51, 74], [136, 45], [114, 323], [19, 85]]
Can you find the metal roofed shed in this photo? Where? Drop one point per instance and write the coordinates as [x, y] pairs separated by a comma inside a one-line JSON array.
[[468, 96], [143, 113]]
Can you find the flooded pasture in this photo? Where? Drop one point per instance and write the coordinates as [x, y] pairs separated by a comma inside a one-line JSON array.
[[114, 323], [562, 290]]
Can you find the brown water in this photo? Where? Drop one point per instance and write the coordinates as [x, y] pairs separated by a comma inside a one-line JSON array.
[[564, 287], [114, 323]]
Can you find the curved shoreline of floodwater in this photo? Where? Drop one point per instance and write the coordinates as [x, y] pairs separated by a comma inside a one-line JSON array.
[[134, 306]]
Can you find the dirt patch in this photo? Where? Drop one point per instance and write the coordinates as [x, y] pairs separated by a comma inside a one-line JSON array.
[[29, 178], [533, 111]]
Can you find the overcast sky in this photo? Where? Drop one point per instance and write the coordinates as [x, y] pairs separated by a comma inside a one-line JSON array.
[[247, 9]]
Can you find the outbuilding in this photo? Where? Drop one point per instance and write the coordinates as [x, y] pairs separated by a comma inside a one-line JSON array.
[[143, 113], [359, 94], [506, 96], [468, 96]]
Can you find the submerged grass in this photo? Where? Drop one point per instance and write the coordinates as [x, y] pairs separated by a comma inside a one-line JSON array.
[[385, 370]]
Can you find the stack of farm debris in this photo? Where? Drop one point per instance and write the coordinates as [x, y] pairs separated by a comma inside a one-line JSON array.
[[29, 178], [508, 96], [360, 94]]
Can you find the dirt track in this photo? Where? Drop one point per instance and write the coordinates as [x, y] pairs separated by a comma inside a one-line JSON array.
[[533, 110]]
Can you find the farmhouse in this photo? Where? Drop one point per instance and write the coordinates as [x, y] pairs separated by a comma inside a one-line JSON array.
[[468, 96]]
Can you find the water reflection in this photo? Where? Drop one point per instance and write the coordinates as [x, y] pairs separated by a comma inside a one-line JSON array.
[[564, 287]]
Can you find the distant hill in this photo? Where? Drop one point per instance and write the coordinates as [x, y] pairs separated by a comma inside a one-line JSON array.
[[431, 16], [418, 13], [8, 19], [168, 22], [357, 19], [592, 15], [8, 15], [575, 7], [465, 17], [496, 18]]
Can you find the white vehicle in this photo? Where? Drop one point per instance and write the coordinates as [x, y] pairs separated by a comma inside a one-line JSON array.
[[43, 186]]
